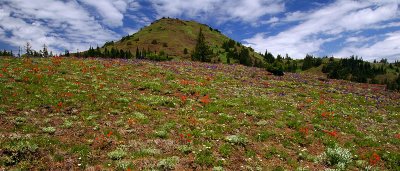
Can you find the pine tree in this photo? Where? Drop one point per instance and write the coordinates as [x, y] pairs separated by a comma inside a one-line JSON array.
[[28, 49], [67, 53], [244, 57], [279, 58], [122, 54], [137, 53], [268, 57], [202, 52], [98, 52], [45, 52]]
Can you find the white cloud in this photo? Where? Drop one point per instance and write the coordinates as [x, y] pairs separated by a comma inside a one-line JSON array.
[[112, 11], [272, 20], [140, 19], [130, 31], [59, 24], [360, 40], [249, 11], [388, 48], [323, 25]]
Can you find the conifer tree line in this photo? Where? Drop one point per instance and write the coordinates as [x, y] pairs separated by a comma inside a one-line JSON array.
[[44, 52], [6, 53], [115, 53], [236, 51], [353, 69], [106, 53]]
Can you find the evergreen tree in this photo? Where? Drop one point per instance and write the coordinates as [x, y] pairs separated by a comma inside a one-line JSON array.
[[106, 53], [201, 52], [67, 53], [28, 49], [307, 62], [244, 57], [122, 54], [45, 52], [98, 52], [268, 57], [287, 57], [279, 58], [137, 55]]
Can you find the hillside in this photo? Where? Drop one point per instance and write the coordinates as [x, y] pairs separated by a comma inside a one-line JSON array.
[[172, 36], [117, 114], [355, 69]]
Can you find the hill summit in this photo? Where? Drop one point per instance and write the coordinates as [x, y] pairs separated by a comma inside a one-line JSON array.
[[177, 39]]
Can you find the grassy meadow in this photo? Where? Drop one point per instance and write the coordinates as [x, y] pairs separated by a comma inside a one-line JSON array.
[[100, 114]]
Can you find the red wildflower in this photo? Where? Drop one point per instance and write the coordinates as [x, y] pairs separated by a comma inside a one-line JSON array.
[[205, 99], [183, 98], [375, 158], [181, 136], [304, 130], [109, 134], [35, 69], [1, 75], [184, 82], [397, 136], [26, 79], [59, 104], [68, 94], [327, 114], [331, 133]]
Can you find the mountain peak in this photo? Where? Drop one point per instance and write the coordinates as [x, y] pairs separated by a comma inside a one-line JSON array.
[[172, 36]]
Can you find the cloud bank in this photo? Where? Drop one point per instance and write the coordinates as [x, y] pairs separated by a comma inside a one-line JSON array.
[[368, 28], [61, 24], [329, 23]]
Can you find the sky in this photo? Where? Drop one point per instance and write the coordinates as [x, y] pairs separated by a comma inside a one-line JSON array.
[[367, 28]]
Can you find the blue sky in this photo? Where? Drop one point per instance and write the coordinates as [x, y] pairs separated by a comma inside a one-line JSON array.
[[340, 28]]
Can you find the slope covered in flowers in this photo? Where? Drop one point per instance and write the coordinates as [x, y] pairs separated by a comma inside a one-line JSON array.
[[71, 113]]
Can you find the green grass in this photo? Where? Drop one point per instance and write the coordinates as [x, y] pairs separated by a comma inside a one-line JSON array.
[[81, 114]]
